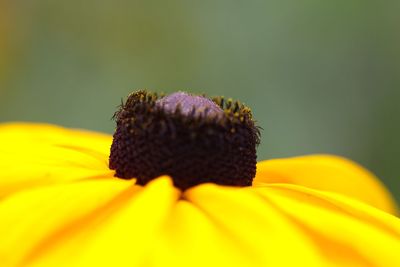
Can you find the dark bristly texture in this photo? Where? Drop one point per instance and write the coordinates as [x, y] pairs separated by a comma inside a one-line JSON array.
[[191, 138]]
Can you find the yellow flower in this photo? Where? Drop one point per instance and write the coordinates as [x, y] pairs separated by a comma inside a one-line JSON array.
[[62, 203], [62, 206]]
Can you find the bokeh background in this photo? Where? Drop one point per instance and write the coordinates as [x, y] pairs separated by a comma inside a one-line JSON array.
[[321, 76]]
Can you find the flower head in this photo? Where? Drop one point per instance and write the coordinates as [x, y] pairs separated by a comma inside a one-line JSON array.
[[61, 205]]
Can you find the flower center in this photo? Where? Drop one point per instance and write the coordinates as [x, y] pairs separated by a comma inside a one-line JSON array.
[[193, 139]]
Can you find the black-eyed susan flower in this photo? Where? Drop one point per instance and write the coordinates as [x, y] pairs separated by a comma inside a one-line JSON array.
[[187, 197]]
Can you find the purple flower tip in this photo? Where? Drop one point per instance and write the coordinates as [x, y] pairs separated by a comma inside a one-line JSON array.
[[190, 105]]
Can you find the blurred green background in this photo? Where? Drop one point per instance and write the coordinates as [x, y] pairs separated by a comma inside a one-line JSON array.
[[321, 76]]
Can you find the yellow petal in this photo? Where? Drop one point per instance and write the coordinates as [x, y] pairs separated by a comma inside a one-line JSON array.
[[39, 154], [329, 173], [259, 231], [347, 232], [191, 238], [122, 235], [32, 221]]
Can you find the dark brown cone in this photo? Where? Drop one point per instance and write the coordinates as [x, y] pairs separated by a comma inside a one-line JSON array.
[[191, 147]]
